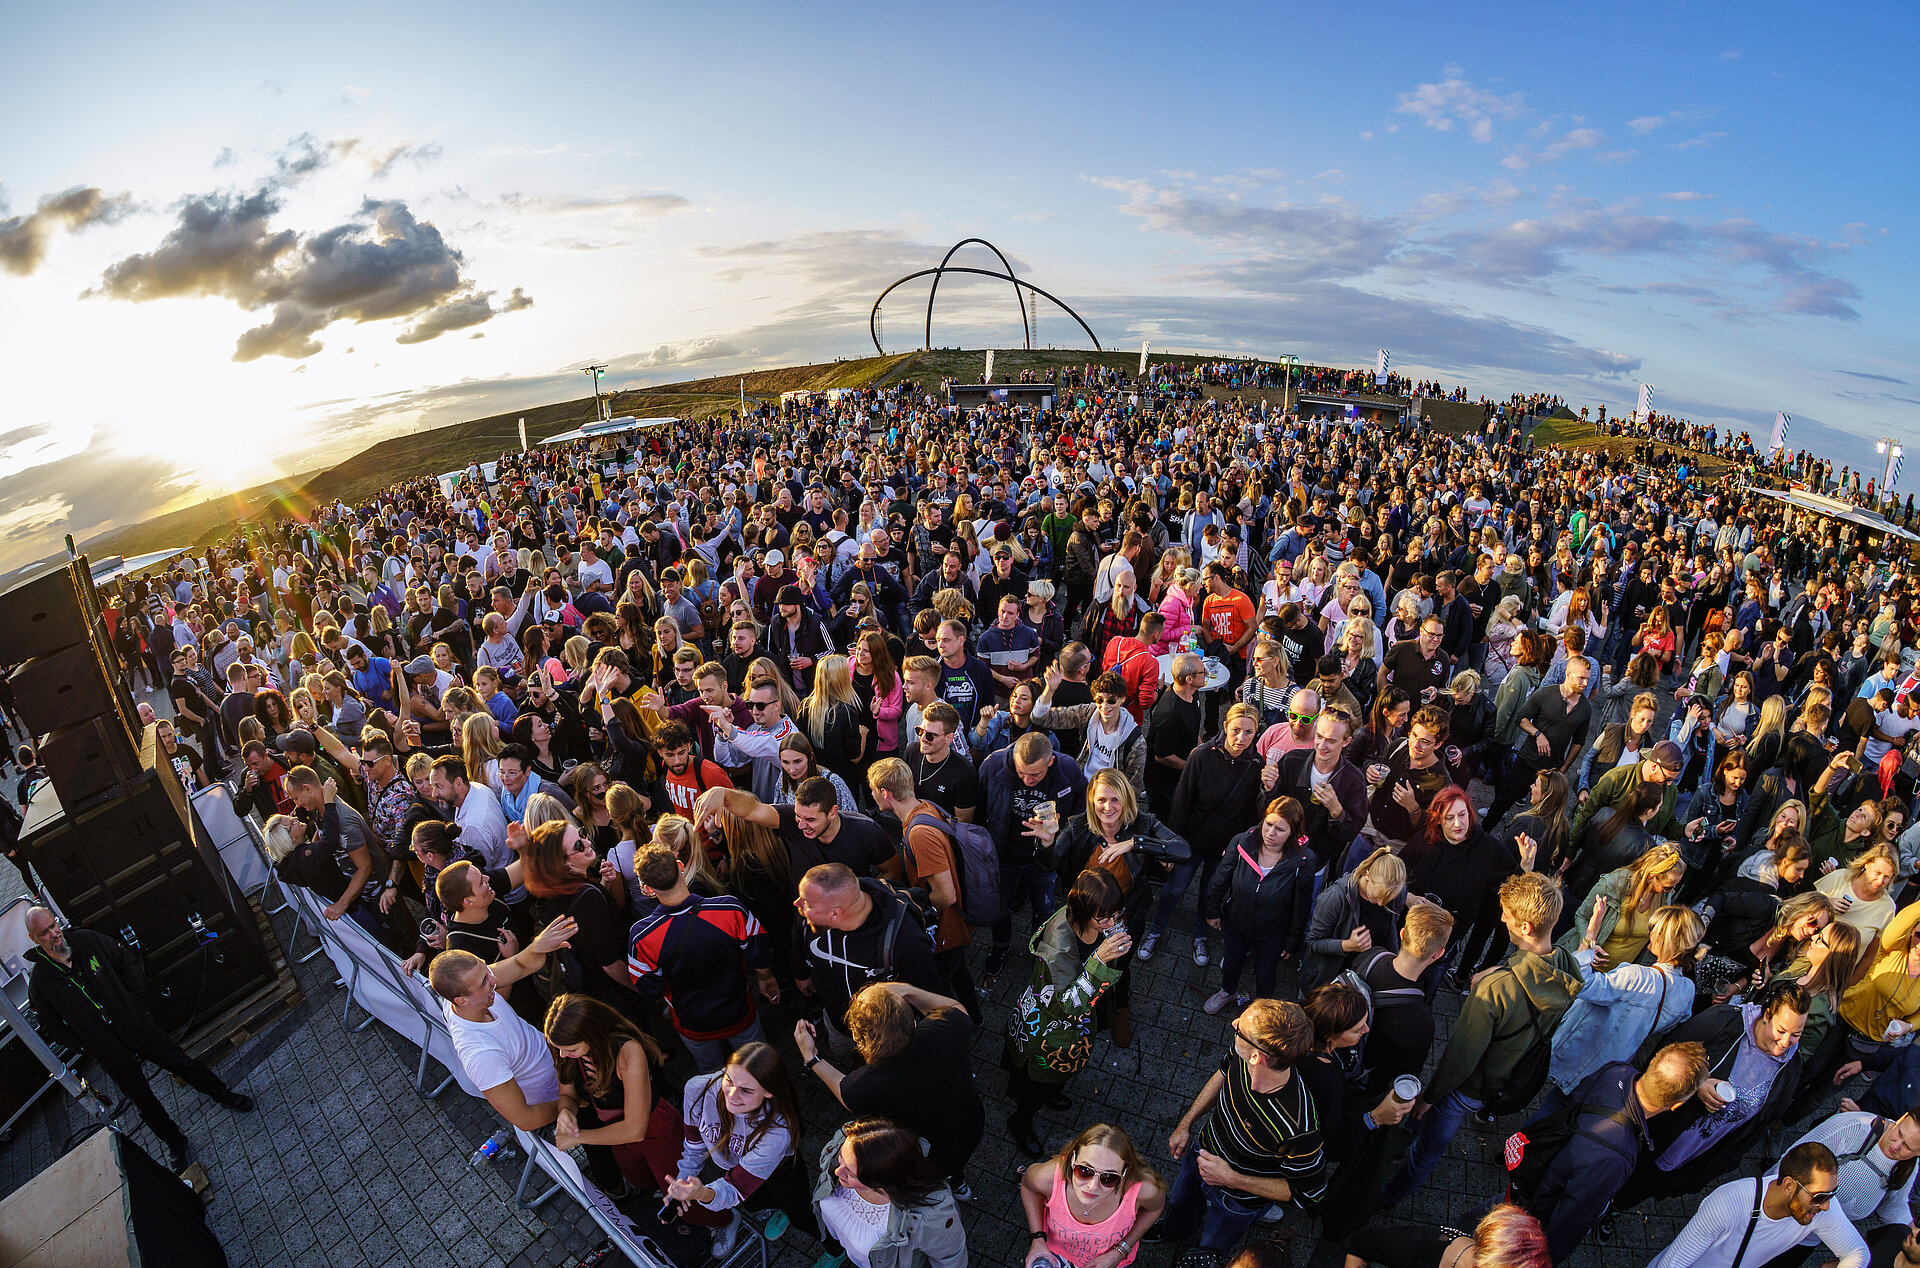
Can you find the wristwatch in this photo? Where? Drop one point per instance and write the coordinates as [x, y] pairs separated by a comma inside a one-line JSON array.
[[814, 1060]]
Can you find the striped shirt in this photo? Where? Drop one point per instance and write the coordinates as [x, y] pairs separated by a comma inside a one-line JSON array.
[[1274, 1135]]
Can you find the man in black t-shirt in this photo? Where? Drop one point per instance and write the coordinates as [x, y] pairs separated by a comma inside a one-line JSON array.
[[918, 1070], [1402, 1030], [1173, 731], [814, 828], [941, 775], [1418, 667]]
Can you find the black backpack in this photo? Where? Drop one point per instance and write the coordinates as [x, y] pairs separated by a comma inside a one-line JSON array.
[[915, 905], [1532, 1149], [1529, 1073]]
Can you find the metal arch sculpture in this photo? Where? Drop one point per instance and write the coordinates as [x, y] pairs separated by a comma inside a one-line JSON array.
[[1026, 330], [944, 268]]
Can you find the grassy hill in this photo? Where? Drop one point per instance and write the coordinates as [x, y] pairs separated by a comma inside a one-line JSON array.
[[440, 449]]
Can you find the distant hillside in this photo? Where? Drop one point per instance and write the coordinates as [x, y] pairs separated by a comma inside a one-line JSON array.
[[195, 525]]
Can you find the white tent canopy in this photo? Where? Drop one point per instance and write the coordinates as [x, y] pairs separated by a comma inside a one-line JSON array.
[[114, 567], [611, 427], [1834, 508]]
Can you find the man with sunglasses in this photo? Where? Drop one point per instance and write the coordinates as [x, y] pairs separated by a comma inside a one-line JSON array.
[[1748, 1222], [1261, 1143]]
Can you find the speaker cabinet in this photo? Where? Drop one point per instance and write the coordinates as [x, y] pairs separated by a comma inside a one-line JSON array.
[[44, 614], [61, 689], [86, 854], [89, 758]]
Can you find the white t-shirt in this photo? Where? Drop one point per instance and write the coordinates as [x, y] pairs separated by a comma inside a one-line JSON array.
[[504, 1050], [1889, 722]]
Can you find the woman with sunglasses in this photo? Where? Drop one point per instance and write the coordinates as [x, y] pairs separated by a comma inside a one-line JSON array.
[[1092, 1202], [562, 873]]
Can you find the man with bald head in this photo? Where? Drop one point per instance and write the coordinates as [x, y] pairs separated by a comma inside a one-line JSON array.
[[1296, 732], [90, 993]]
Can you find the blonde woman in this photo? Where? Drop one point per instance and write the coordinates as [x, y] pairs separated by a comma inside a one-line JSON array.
[[1358, 912], [1859, 891], [831, 716], [1503, 627], [1617, 914]]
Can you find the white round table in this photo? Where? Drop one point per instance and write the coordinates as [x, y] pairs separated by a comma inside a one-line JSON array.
[[1217, 673]]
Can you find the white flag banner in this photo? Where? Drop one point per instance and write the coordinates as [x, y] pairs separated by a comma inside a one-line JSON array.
[[743, 397], [1645, 411], [1143, 360], [523, 435], [1384, 360], [1781, 422], [989, 377], [1891, 471]]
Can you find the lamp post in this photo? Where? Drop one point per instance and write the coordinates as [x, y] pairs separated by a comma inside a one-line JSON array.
[[1286, 393], [598, 372], [1890, 449]]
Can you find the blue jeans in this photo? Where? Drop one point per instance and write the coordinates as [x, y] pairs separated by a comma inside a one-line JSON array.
[[710, 1054], [1038, 883], [1223, 1215], [1430, 1143], [1176, 889]]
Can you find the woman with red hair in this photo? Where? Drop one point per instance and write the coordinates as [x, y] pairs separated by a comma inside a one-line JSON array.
[[1458, 863]]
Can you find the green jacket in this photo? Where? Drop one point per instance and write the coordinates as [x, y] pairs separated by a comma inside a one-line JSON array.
[[1522, 681], [1613, 887], [1500, 1020], [925, 1236], [1612, 788], [1054, 1019]]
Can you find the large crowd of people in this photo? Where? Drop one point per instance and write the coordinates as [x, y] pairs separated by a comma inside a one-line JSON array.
[[764, 741]]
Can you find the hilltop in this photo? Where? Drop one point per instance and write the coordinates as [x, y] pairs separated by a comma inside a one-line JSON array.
[[449, 447]]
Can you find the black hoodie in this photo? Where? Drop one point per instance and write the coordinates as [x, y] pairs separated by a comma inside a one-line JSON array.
[[1219, 796], [98, 1002], [841, 963]]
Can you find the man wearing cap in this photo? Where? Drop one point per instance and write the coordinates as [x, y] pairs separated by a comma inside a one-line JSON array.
[[420, 698], [889, 596], [1662, 766], [797, 639], [1004, 578], [772, 579]]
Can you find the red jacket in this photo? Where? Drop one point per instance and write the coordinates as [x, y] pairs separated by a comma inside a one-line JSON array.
[[1129, 657]]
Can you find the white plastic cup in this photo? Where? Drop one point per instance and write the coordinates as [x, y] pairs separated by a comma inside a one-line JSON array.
[[1896, 1028], [1726, 1091], [1406, 1089]]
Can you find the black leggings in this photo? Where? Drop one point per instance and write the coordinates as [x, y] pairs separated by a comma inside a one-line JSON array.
[[1029, 1095]]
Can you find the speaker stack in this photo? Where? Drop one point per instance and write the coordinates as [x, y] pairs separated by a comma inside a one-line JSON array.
[[117, 847]]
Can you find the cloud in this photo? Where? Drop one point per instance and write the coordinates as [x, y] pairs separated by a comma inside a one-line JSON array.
[[272, 87], [1455, 101], [639, 205], [384, 264], [380, 159], [1573, 141], [1732, 55], [1276, 243], [1034, 217], [685, 352], [1698, 142], [82, 493], [1686, 196], [1876, 378], [1681, 115], [350, 95], [24, 239]]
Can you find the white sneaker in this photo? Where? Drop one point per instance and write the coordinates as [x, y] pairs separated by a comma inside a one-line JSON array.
[[1216, 1001], [1145, 949], [1273, 1214], [1200, 952], [727, 1238]]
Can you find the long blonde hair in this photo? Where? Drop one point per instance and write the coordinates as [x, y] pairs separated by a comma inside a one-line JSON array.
[[1383, 869], [762, 669], [479, 743], [1645, 874], [678, 834], [832, 685]]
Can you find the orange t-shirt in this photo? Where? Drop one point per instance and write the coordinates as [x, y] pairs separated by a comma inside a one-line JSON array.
[[929, 853], [1227, 616]]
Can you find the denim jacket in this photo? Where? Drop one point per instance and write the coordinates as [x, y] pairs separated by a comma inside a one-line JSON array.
[[1613, 1014]]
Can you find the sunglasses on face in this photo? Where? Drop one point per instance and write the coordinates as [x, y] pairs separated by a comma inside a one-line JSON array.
[[1085, 1175], [757, 705], [1301, 717]]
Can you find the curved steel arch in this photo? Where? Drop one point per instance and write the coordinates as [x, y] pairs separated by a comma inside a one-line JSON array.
[[1026, 331], [874, 313]]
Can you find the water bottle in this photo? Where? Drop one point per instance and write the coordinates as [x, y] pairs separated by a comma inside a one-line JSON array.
[[498, 1145]]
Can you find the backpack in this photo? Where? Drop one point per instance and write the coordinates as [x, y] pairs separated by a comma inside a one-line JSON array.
[[915, 905], [1530, 1151], [976, 863], [1398, 996], [1529, 1073]]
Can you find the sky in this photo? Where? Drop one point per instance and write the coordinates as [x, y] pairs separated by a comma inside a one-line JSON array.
[[240, 242]]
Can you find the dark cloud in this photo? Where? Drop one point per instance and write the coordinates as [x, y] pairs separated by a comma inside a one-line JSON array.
[[382, 265], [24, 239], [1877, 378]]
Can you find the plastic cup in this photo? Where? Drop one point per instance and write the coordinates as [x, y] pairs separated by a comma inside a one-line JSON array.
[[1896, 1028], [1726, 1091], [1406, 1088]]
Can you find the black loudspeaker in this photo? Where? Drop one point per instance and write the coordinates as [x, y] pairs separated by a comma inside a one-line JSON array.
[[61, 688], [88, 758], [126, 866], [44, 614], [83, 854]]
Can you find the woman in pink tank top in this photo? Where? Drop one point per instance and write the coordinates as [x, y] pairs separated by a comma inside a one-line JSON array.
[[1089, 1205]]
